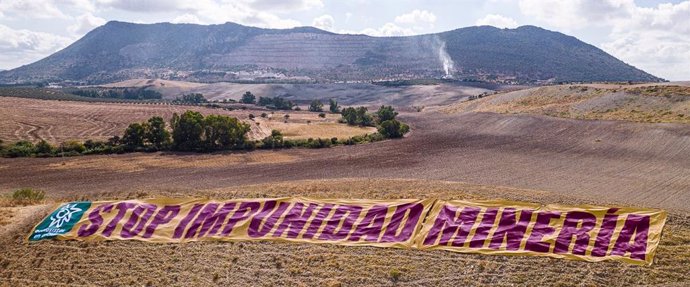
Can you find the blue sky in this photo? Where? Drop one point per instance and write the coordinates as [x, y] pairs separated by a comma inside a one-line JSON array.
[[651, 35]]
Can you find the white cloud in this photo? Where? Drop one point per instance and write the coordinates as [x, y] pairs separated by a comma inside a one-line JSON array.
[[149, 6], [35, 9], [653, 39], [411, 23], [18, 47], [216, 12], [286, 5], [85, 23], [498, 21], [187, 18], [324, 22], [388, 29], [575, 14], [416, 17]]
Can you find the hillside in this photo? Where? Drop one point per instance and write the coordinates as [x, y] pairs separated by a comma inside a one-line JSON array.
[[232, 52], [668, 103]]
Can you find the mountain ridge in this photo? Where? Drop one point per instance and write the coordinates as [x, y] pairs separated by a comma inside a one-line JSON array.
[[230, 51]]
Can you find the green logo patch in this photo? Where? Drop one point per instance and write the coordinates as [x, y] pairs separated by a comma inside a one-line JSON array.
[[60, 221]]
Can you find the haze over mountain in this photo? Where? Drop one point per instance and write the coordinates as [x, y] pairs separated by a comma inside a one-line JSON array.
[[119, 51]]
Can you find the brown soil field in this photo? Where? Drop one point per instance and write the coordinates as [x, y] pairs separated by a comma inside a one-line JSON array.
[[59, 121], [346, 93], [638, 103], [58, 263], [460, 153], [631, 163]]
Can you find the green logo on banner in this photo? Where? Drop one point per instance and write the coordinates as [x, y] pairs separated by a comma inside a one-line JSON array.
[[60, 221]]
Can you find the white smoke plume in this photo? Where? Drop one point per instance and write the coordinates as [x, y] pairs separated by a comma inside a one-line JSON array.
[[445, 59]]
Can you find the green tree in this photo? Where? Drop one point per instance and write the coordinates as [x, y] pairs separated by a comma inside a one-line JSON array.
[[393, 129], [386, 113], [187, 131], [316, 106], [333, 106], [72, 147], [350, 115], [278, 103], [156, 134], [193, 98], [134, 136], [20, 149], [248, 98], [44, 148], [223, 132], [364, 119], [275, 140]]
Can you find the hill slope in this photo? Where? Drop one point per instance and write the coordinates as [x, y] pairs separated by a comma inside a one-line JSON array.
[[652, 103], [120, 51]]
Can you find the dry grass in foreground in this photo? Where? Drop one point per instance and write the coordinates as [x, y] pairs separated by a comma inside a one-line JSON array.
[[170, 161], [55, 263]]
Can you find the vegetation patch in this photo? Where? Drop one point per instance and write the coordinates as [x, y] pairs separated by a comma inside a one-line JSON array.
[[27, 196], [192, 131], [117, 93]]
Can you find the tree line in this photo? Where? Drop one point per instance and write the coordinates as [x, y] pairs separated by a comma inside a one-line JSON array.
[[192, 131], [125, 93], [384, 120]]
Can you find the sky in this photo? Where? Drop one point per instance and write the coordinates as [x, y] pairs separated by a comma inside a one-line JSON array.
[[648, 34]]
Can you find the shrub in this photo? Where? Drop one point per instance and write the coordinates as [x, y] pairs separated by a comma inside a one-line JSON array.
[[72, 147], [275, 140], [263, 115], [277, 103], [357, 116], [316, 106], [27, 196], [248, 98], [395, 275], [20, 149], [322, 115], [393, 129], [43, 148], [386, 113], [333, 106], [193, 98]]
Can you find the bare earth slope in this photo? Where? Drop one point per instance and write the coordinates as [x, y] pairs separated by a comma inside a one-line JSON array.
[[345, 93], [631, 163], [59, 121], [454, 153]]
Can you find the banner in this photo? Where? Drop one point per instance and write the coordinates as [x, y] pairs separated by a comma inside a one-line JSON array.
[[587, 233], [584, 232], [389, 223]]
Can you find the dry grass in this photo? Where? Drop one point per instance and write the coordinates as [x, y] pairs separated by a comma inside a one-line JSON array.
[[142, 162], [651, 104], [57, 263], [304, 125]]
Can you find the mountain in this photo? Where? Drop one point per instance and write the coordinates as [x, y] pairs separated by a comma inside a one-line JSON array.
[[120, 51]]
